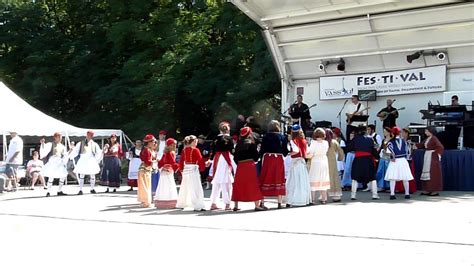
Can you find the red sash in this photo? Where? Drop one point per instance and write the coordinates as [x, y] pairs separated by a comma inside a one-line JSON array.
[[226, 156], [359, 154]]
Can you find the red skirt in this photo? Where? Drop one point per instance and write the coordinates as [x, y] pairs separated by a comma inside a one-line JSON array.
[[132, 182], [246, 186], [411, 184], [272, 177]]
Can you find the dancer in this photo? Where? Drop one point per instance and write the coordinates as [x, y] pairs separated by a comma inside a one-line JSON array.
[[363, 166], [334, 154], [134, 157], [350, 154], [431, 177], [319, 169], [398, 168], [166, 194], [272, 177], [298, 189], [34, 168], [223, 167], [88, 163], [384, 160], [148, 157], [246, 186], [191, 194], [55, 168], [111, 171], [155, 175]]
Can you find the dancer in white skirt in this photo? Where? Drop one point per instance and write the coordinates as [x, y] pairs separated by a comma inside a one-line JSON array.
[[88, 163], [223, 167], [135, 162], [298, 189], [191, 194], [398, 168], [57, 158], [166, 195], [319, 169]]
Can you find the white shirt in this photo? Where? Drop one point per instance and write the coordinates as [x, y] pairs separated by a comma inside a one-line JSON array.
[[351, 108], [16, 145], [378, 139], [161, 150], [92, 149]]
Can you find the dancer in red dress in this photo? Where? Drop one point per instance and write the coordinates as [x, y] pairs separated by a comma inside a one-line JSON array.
[[274, 148], [246, 187]]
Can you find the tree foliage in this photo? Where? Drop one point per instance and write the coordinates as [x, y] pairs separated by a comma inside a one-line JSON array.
[[139, 65]]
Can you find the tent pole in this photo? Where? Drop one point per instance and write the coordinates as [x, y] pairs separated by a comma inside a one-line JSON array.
[[4, 150], [66, 146]]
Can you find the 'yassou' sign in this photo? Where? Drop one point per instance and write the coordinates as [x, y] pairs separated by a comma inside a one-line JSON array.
[[419, 80]]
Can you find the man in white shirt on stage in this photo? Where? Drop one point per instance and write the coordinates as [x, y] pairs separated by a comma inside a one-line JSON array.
[[354, 109]]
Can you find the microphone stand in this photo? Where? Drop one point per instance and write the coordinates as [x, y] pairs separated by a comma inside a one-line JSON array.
[[339, 114]]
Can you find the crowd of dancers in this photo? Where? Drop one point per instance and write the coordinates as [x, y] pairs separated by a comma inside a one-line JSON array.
[[296, 170]]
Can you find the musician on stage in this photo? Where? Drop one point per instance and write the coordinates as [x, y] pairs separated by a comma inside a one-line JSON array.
[[300, 110], [354, 109], [389, 114]]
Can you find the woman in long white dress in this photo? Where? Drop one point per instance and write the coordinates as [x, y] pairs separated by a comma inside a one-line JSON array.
[[191, 194], [319, 169]]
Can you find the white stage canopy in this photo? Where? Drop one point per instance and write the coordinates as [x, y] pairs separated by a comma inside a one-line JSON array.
[[17, 115], [370, 36]]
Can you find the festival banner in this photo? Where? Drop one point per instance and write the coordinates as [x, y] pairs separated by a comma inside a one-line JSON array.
[[410, 81]]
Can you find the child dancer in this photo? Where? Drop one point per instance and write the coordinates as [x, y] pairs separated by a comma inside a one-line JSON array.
[[398, 168], [319, 170], [191, 194], [166, 193], [298, 188]]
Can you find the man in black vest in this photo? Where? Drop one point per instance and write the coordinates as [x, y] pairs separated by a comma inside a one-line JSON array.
[[299, 112], [390, 114]]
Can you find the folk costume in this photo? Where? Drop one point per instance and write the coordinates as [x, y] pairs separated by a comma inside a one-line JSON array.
[[298, 189], [364, 164], [191, 194], [223, 169], [246, 187], [148, 158], [133, 166], [398, 169], [272, 177], [334, 154], [55, 167], [88, 163], [110, 176], [432, 176], [166, 195]]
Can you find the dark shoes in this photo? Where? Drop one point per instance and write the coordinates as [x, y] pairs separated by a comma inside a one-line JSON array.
[[60, 193], [80, 192], [279, 206], [257, 209], [392, 197], [407, 197], [107, 191], [47, 194], [93, 191], [130, 189]]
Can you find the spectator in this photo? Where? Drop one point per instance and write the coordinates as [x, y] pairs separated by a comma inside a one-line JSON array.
[[14, 160], [34, 168]]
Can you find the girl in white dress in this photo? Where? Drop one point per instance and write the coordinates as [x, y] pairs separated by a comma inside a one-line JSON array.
[[319, 169]]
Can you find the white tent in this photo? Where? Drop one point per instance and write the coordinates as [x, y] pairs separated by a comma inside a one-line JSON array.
[[17, 115]]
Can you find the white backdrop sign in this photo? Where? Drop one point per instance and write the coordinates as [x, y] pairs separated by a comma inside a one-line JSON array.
[[419, 80]]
